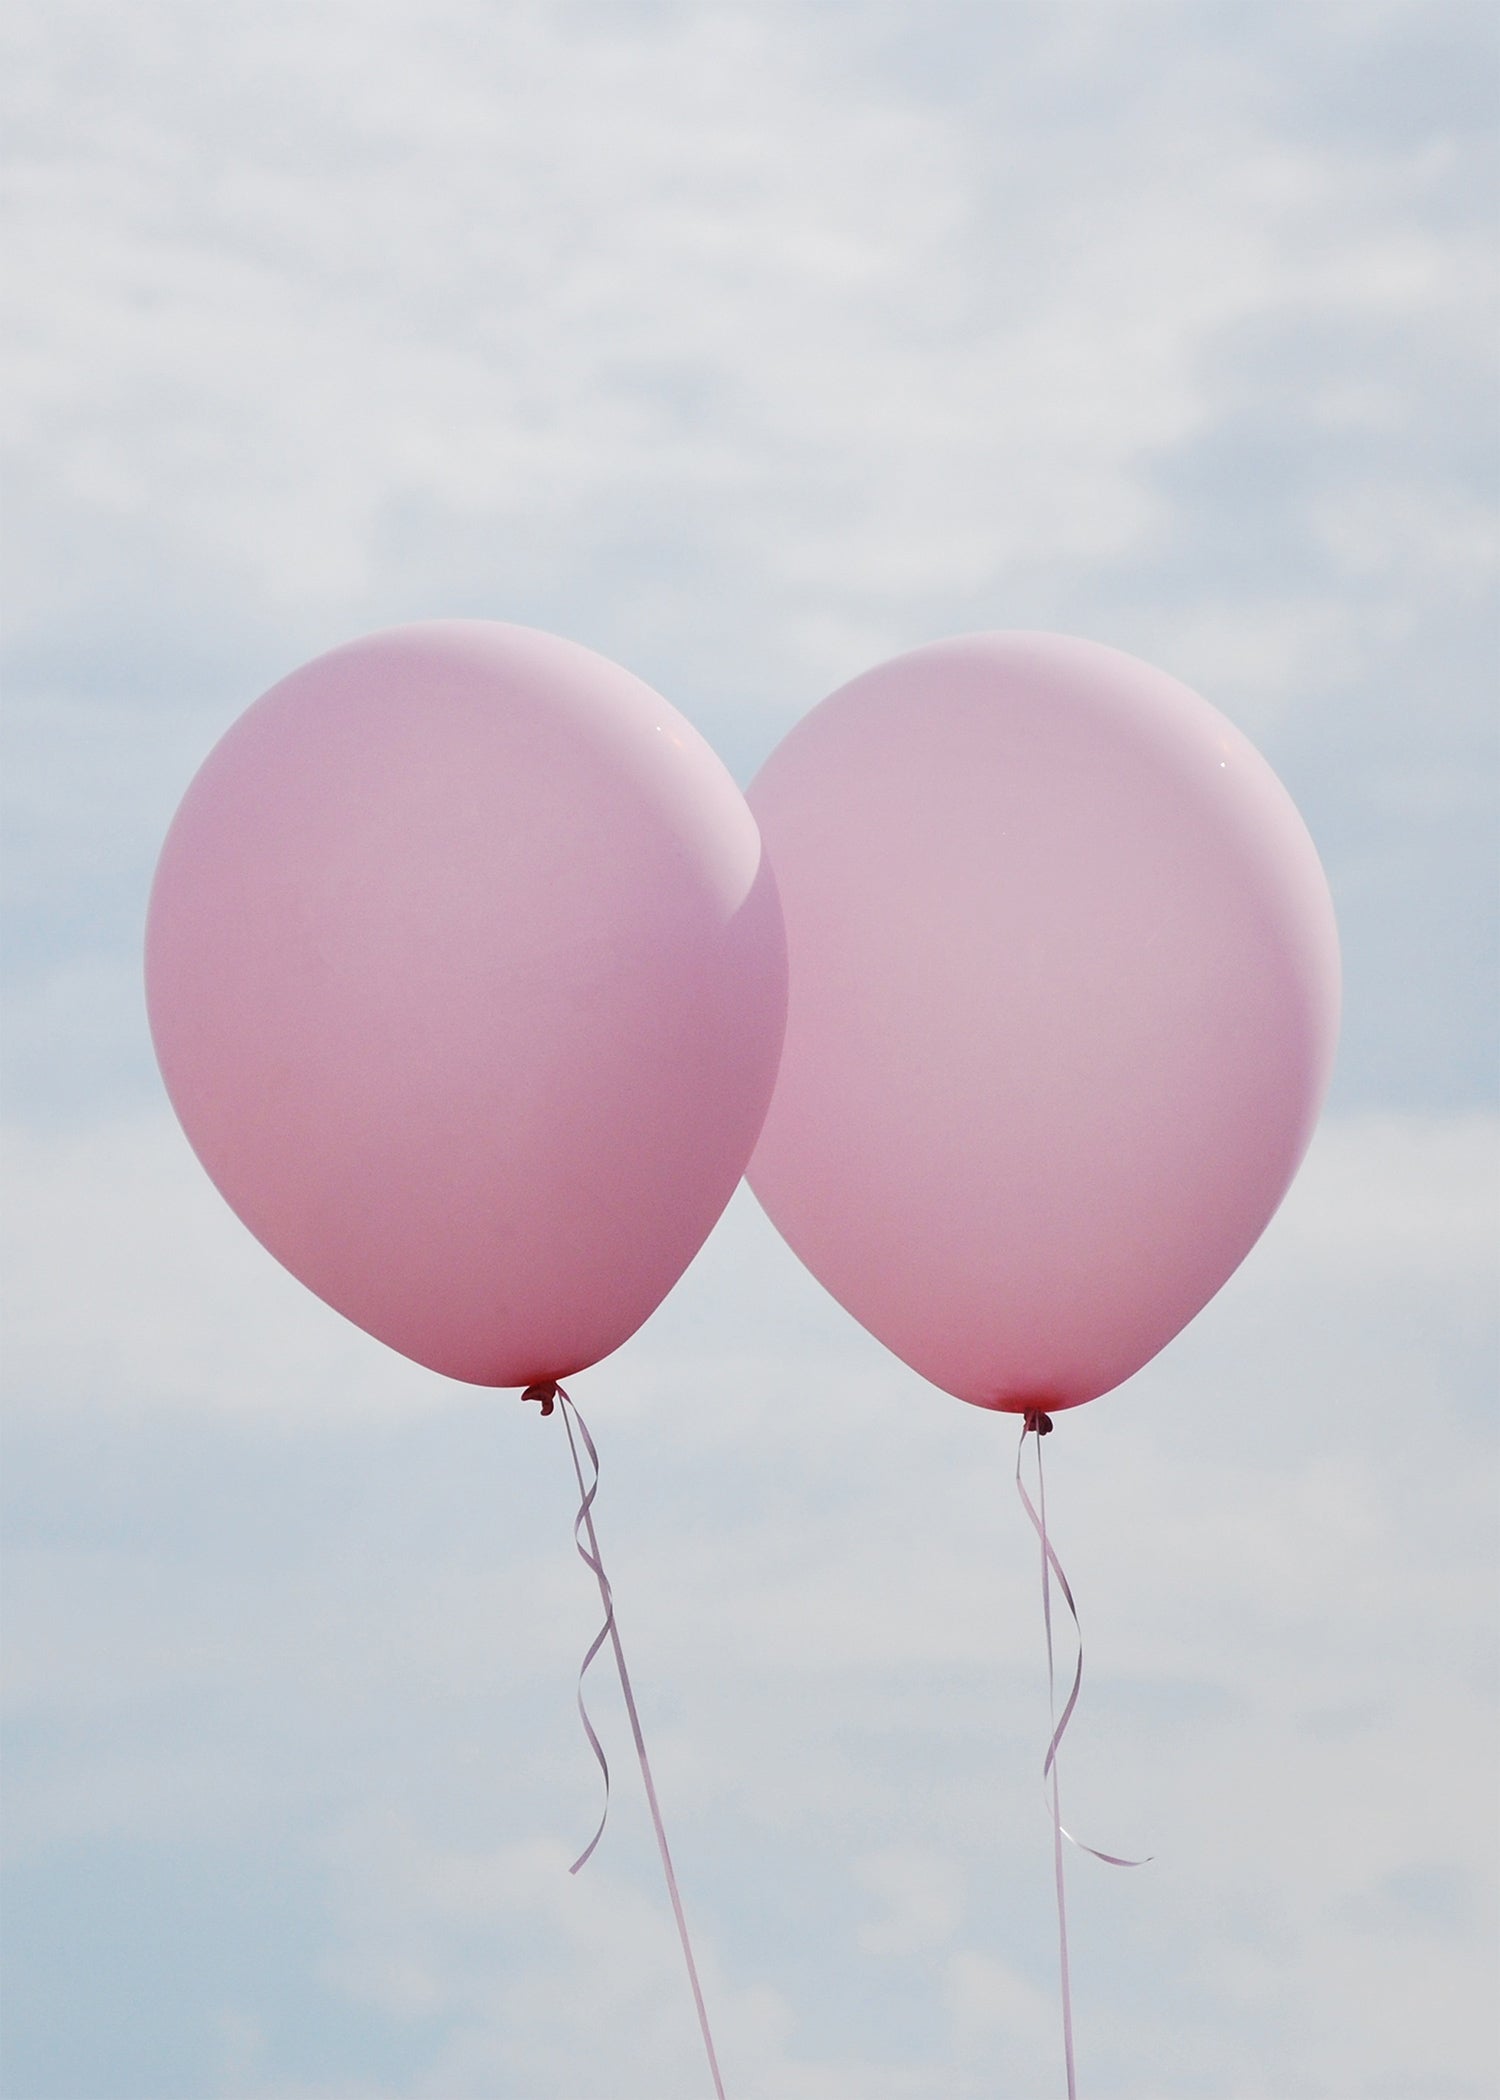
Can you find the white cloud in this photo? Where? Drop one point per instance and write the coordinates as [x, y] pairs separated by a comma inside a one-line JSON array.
[[503, 309], [921, 1899]]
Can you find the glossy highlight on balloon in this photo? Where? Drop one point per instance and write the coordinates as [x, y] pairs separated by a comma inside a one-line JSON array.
[[1063, 1005], [467, 980]]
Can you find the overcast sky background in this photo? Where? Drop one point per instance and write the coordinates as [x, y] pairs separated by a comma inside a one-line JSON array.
[[750, 343]]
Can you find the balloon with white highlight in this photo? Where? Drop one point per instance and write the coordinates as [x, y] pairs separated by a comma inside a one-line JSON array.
[[1063, 1003]]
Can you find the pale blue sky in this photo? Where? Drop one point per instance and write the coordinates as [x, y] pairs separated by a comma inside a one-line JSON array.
[[749, 343]]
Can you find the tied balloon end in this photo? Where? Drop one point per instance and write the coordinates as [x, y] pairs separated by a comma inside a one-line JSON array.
[[546, 1392], [1037, 1423]]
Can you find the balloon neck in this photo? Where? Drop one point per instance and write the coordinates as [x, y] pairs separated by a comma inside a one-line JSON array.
[[1038, 1423], [546, 1392]]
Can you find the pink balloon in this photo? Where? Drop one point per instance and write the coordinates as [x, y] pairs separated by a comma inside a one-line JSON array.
[[467, 981], [1063, 1005]]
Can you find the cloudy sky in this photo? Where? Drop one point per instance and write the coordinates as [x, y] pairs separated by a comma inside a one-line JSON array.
[[750, 342]]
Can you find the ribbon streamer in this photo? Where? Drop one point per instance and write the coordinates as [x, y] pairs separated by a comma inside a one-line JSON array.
[[1039, 1425], [583, 1526]]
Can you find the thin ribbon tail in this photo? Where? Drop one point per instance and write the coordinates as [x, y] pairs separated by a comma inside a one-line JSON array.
[[1036, 1424], [586, 1540], [606, 1631], [1054, 1567], [596, 1746]]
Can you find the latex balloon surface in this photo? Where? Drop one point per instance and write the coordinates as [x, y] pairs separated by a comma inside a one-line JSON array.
[[1063, 1006], [467, 982]]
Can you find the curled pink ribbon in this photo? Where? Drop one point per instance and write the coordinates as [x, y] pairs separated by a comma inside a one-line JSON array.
[[1039, 1425], [583, 1527]]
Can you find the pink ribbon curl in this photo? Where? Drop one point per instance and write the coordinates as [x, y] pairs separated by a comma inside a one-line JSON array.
[[1039, 1425], [588, 1553]]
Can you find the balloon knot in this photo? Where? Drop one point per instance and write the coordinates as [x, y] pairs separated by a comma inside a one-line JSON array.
[[546, 1393], [1038, 1423]]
